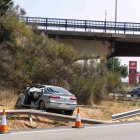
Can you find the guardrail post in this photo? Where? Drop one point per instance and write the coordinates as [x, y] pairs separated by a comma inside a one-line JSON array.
[[66, 25], [124, 27], [105, 26], [30, 118], [133, 30], [85, 25], [26, 20], [115, 27], [46, 23]]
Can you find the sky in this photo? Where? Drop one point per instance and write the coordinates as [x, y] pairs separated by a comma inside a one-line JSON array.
[[82, 9], [127, 11]]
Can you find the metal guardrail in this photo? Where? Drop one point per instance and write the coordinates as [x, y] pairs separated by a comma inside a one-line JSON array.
[[83, 25], [52, 116], [126, 114]]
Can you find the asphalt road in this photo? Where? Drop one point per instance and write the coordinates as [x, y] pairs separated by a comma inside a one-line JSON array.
[[129, 131]]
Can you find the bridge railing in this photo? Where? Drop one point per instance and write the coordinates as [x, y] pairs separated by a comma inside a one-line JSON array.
[[83, 25]]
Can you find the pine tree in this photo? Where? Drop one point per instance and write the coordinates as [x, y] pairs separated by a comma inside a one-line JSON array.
[[114, 64], [4, 6]]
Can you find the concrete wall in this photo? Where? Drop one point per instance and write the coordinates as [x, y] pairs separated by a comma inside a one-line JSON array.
[[88, 47]]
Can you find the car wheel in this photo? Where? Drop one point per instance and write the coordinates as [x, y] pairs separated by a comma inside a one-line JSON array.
[[42, 106], [132, 95], [138, 96], [19, 103], [68, 112]]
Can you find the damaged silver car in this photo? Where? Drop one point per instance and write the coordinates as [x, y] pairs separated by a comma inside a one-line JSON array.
[[48, 97]]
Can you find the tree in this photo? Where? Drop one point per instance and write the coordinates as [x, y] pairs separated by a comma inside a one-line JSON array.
[[4, 6], [114, 64]]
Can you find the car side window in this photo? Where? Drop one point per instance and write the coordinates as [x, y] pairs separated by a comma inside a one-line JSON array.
[[47, 91], [50, 90], [53, 90]]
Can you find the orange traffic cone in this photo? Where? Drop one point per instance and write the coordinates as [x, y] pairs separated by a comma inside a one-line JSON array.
[[3, 127], [78, 119]]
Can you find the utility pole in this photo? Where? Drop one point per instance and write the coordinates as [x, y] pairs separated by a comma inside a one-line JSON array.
[[105, 15], [105, 20], [116, 4]]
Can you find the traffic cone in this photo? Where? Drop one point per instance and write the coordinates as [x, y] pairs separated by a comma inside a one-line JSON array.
[[78, 119], [3, 127]]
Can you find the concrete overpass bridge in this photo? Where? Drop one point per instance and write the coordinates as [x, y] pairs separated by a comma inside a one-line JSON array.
[[88, 37]]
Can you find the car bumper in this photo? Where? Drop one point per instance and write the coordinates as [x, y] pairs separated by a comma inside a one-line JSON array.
[[61, 106]]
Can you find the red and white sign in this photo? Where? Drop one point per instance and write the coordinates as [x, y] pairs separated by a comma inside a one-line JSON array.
[[132, 65], [132, 72]]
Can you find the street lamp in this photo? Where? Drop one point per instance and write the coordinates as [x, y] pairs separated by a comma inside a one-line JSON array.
[[116, 3], [115, 14]]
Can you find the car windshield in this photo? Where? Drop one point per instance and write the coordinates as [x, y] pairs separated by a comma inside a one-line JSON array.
[[58, 90], [137, 88]]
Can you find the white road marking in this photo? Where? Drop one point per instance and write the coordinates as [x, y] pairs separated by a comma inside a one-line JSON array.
[[69, 129]]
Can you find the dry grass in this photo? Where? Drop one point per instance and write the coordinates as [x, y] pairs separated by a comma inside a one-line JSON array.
[[7, 99], [22, 122], [106, 109]]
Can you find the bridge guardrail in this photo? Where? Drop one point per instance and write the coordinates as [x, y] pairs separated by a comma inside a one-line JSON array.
[[83, 25]]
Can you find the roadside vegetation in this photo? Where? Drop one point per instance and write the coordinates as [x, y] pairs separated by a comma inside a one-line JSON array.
[[27, 58]]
